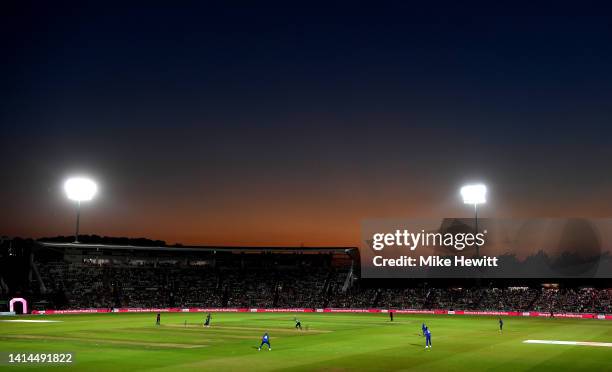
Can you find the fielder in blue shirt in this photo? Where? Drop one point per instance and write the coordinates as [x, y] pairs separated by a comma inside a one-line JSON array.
[[265, 340], [427, 338], [423, 328]]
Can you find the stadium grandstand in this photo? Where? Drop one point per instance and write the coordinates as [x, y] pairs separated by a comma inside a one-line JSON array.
[[60, 275]]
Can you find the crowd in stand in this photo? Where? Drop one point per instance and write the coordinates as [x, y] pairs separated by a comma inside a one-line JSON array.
[[83, 285], [72, 285], [575, 300]]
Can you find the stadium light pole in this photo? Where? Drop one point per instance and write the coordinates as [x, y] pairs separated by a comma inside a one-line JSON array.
[[474, 194], [80, 189]]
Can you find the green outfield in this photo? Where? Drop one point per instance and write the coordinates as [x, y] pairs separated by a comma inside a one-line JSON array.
[[328, 342]]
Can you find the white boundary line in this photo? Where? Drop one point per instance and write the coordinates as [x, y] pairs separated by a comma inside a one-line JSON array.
[[575, 343], [30, 321]]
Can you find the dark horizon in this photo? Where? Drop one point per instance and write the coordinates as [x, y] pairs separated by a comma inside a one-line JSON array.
[[279, 125]]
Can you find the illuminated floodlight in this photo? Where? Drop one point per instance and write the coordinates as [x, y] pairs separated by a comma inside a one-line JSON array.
[[80, 189], [474, 194]]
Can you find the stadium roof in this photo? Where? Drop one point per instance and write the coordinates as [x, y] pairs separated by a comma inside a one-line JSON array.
[[233, 249]]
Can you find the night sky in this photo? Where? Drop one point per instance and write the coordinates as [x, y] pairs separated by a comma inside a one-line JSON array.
[[288, 125]]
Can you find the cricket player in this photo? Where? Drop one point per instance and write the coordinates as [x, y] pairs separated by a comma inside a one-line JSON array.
[[427, 338], [158, 321], [298, 324], [501, 325], [265, 340], [207, 321]]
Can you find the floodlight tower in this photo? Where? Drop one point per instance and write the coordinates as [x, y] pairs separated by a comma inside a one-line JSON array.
[[80, 189], [474, 194]]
